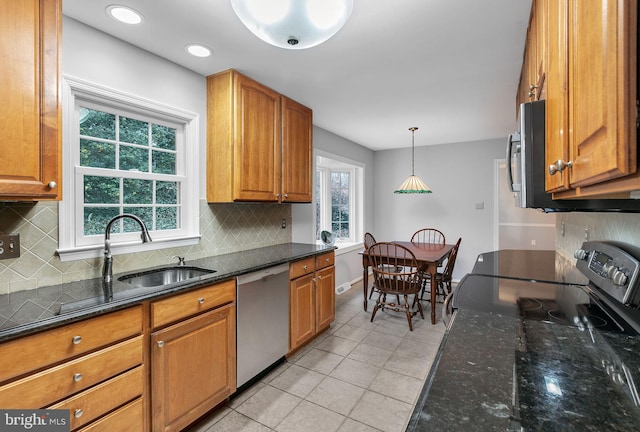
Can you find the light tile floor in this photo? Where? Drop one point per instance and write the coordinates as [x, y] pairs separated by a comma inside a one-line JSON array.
[[358, 376]]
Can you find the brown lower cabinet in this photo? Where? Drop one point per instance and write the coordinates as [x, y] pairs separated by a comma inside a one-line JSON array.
[[94, 368], [193, 360], [312, 306]]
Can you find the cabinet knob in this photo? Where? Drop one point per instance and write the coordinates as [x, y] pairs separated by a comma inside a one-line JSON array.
[[52, 184], [201, 300], [160, 344], [305, 267], [286, 195], [78, 413], [77, 377], [559, 166], [327, 259], [532, 87], [76, 340]]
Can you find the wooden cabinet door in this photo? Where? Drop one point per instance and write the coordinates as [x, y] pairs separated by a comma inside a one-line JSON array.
[[600, 105], [30, 118], [256, 174], [557, 94], [192, 368], [302, 320], [325, 297], [297, 131]]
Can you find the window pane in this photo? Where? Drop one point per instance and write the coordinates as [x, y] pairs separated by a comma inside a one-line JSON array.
[[96, 219], [166, 218], [144, 213], [97, 154], [97, 124], [134, 131], [137, 191], [101, 190], [166, 192], [134, 159], [164, 163], [163, 137]]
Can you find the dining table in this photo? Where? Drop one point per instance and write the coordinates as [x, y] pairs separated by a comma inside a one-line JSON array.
[[430, 256]]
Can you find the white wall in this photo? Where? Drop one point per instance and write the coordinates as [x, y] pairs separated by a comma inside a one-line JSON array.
[[460, 175]]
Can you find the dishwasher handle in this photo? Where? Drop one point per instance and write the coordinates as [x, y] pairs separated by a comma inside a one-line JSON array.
[[262, 274]]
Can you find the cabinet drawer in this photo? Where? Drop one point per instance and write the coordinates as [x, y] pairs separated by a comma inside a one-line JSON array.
[[20, 356], [129, 418], [302, 267], [190, 303], [99, 400], [56, 383], [325, 260]]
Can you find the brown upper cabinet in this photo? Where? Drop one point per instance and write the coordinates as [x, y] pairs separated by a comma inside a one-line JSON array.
[[533, 73], [591, 147], [259, 143], [30, 115]]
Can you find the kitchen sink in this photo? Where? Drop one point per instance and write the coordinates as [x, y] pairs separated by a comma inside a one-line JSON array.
[[164, 276]]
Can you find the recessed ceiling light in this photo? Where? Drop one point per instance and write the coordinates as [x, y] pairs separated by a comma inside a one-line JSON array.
[[198, 50], [124, 14]]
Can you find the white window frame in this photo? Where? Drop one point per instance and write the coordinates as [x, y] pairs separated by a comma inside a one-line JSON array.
[[356, 195], [73, 244]]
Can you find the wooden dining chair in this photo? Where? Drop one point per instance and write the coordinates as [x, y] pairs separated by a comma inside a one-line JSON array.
[[428, 235], [395, 276], [443, 278]]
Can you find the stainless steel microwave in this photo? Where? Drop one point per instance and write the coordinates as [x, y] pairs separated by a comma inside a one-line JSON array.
[[526, 167]]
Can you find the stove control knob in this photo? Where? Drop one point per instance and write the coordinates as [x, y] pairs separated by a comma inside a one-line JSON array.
[[618, 277], [581, 254], [609, 270]]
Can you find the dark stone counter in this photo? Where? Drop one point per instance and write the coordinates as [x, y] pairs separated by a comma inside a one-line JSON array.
[[31, 311], [470, 387], [559, 377]]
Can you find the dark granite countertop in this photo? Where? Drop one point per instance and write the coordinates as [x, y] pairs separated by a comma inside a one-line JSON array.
[[27, 312], [486, 360], [470, 386]]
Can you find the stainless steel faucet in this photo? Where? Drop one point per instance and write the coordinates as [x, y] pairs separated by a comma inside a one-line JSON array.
[[107, 268]]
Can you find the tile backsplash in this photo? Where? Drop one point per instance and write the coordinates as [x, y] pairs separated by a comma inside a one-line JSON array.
[[622, 227], [224, 228]]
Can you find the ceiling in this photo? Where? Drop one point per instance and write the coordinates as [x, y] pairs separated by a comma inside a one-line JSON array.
[[449, 67]]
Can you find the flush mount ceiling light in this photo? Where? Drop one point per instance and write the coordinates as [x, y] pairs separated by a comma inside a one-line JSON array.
[[198, 50], [124, 14], [413, 184], [293, 24]]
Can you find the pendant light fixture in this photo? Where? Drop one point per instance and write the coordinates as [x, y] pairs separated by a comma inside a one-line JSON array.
[[413, 184], [293, 24]]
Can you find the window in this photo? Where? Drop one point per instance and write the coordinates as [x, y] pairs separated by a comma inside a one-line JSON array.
[[338, 198], [126, 155]]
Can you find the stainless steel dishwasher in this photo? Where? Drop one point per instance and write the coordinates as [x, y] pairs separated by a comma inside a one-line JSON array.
[[262, 324]]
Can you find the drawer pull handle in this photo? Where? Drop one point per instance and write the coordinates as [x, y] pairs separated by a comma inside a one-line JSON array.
[[78, 413], [76, 340], [160, 344], [77, 377], [305, 267], [327, 259], [201, 300]]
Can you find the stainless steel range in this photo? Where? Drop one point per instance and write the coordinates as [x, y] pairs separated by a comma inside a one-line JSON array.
[[577, 335]]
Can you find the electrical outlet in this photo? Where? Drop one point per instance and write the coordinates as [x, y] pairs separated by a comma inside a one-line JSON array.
[[284, 223], [9, 246]]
